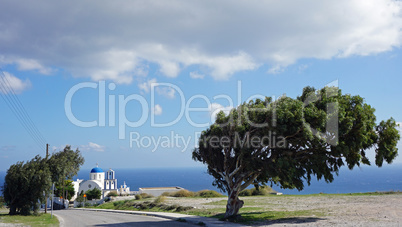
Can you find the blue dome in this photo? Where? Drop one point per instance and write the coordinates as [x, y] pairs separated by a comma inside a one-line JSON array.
[[96, 170]]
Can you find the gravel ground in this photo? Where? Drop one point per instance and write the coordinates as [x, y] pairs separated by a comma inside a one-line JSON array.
[[336, 210]]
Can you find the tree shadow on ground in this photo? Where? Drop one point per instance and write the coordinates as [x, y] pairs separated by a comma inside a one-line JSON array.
[[265, 218]]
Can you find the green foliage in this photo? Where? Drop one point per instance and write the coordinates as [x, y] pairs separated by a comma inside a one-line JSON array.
[[25, 183], [143, 196], [94, 193], [65, 164], [246, 192], [138, 197], [67, 187], [160, 199], [31, 220], [208, 194], [262, 190], [2, 202], [183, 193], [288, 141], [147, 205], [112, 194]]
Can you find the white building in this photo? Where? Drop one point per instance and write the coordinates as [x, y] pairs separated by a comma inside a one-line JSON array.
[[97, 179]]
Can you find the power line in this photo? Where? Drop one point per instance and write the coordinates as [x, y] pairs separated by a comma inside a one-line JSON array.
[[25, 113], [18, 109]]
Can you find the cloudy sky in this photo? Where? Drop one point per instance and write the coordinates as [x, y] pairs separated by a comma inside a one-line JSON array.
[[121, 80]]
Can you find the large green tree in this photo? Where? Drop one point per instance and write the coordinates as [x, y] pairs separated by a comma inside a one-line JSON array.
[[24, 185], [288, 141], [64, 165]]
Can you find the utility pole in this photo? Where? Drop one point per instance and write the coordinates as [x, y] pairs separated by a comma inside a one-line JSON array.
[[47, 154]]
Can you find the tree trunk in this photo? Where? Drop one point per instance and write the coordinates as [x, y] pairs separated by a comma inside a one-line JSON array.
[[13, 210], [234, 204]]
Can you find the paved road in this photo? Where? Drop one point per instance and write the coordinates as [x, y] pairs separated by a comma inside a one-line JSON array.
[[79, 218]]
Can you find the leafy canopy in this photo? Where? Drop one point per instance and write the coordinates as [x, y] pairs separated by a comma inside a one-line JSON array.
[[287, 141]]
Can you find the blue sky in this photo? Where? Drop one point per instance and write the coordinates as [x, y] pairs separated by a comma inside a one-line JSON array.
[[201, 56]]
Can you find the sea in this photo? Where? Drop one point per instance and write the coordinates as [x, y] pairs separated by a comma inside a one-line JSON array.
[[363, 179]]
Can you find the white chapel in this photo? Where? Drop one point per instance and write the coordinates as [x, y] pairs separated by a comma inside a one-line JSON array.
[[97, 179]]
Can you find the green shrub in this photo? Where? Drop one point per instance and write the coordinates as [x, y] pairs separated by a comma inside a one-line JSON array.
[[118, 203], [261, 191], [246, 192], [208, 194], [181, 208], [112, 194], [138, 197], [183, 193], [167, 194], [160, 199], [146, 196], [172, 207]]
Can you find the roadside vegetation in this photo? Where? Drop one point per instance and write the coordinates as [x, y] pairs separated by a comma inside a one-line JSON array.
[[28, 184], [30, 220], [262, 206]]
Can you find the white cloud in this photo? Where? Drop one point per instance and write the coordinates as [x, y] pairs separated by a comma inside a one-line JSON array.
[[166, 91], [31, 64], [119, 42], [196, 75], [163, 90], [92, 147], [146, 86], [10, 83], [157, 110], [215, 108]]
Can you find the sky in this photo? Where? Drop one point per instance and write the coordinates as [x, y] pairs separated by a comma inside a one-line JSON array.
[[131, 84]]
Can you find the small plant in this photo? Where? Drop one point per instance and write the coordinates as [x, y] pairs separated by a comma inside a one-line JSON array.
[[181, 220], [183, 193], [160, 199], [261, 191], [201, 223], [208, 194], [138, 197], [112, 194], [144, 196], [167, 194], [246, 192]]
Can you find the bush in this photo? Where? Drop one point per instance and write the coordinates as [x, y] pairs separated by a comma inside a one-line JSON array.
[[138, 197], [95, 193], [183, 193], [208, 194], [111, 194], [167, 194], [181, 208], [143, 196], [160, 199], [261, 191], [246, 192]]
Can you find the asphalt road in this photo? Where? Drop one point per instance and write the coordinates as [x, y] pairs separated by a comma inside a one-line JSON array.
[[79, 218]]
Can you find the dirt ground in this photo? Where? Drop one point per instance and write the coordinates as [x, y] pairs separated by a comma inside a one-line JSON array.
[[334, 210]]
